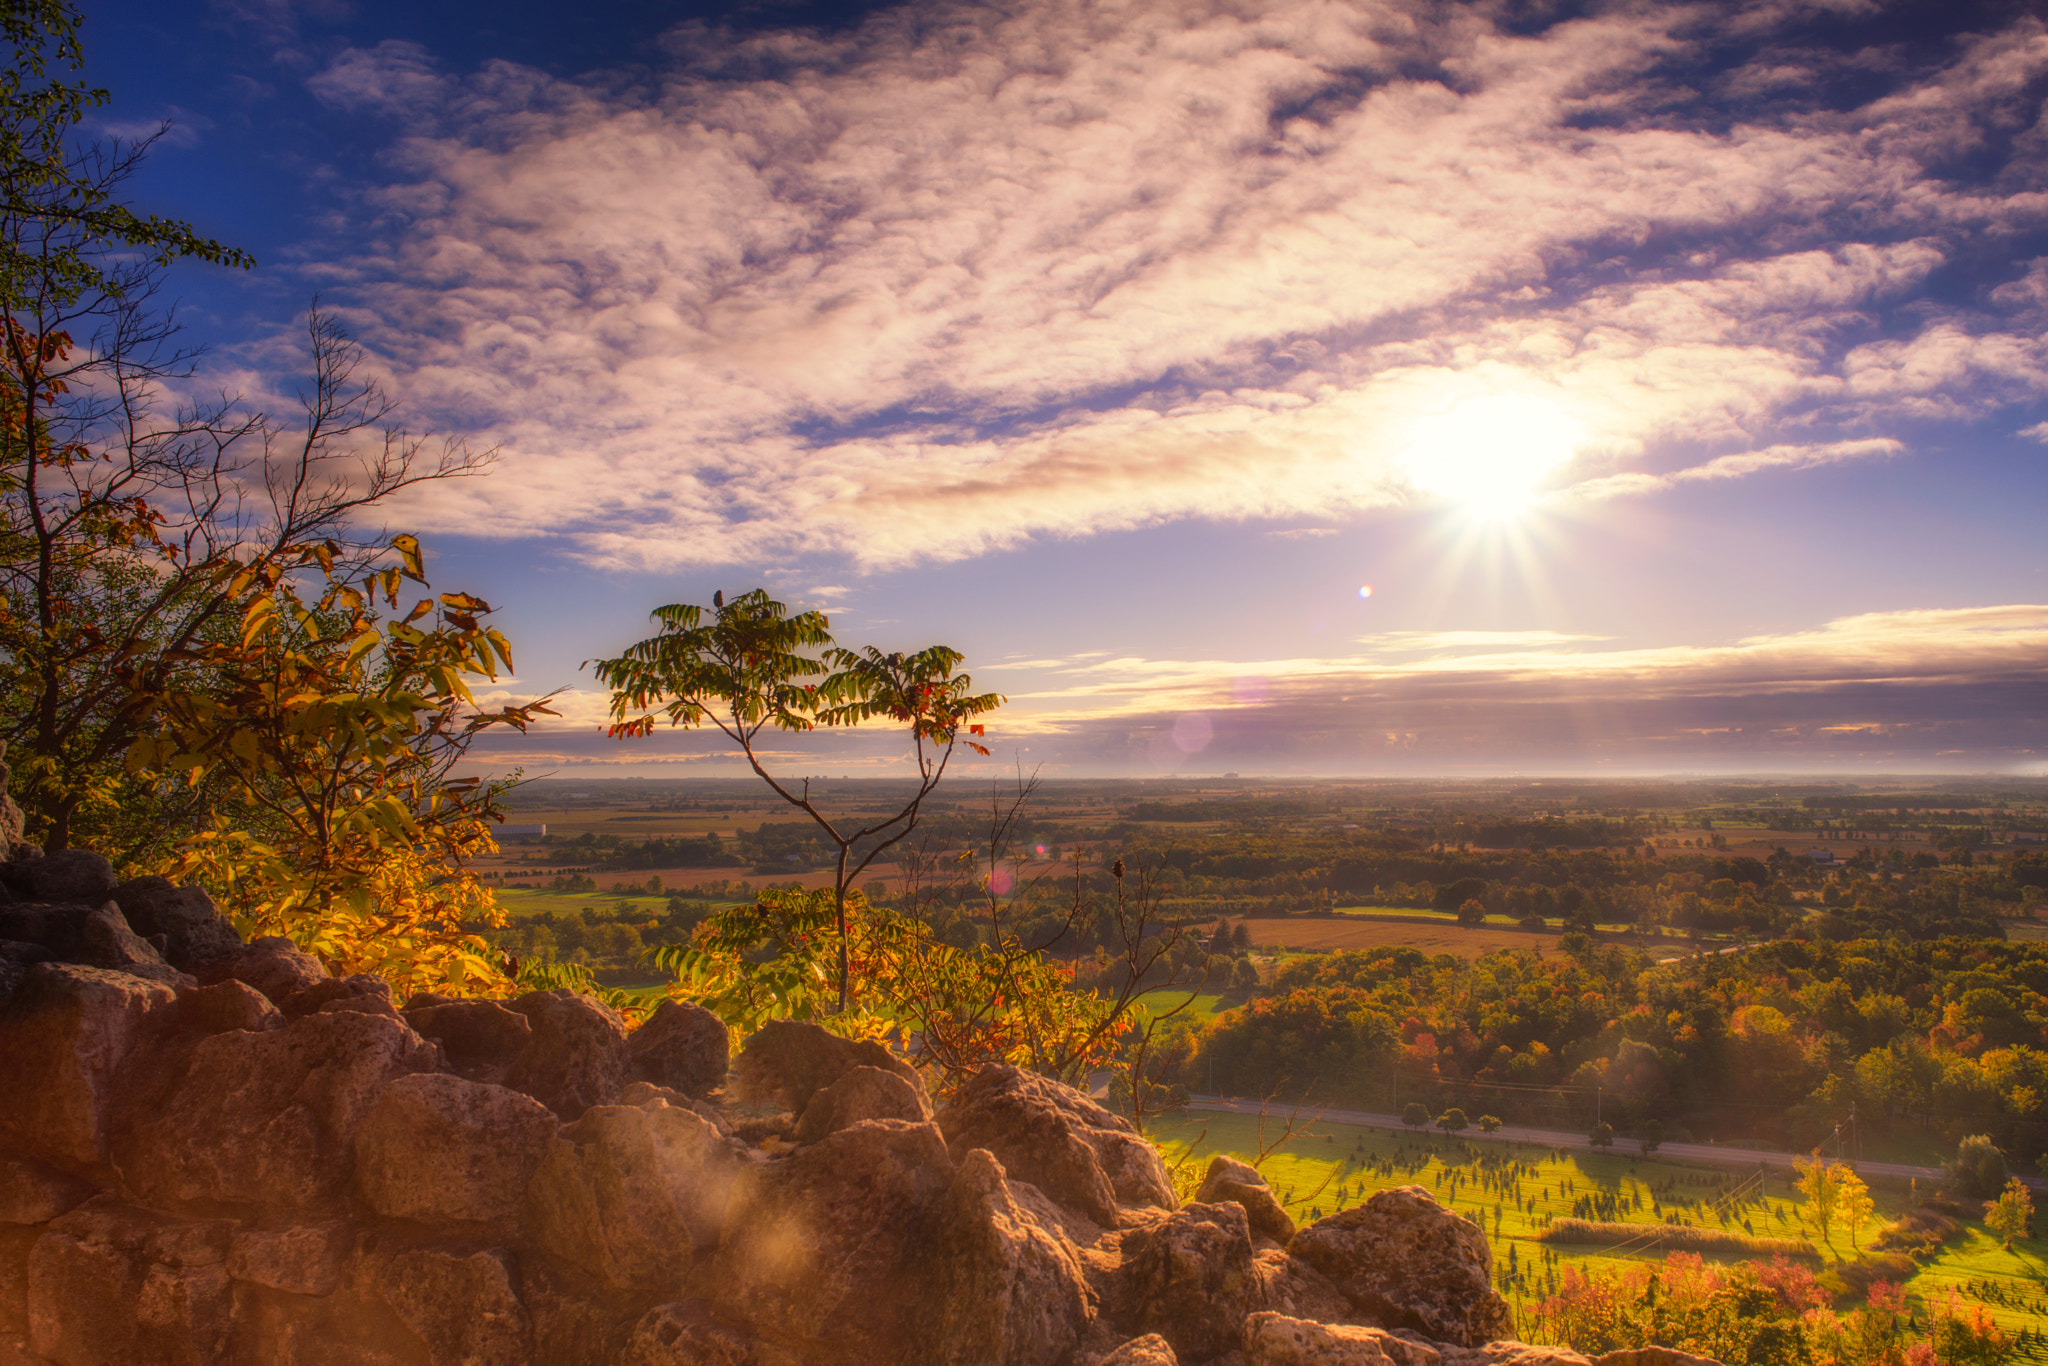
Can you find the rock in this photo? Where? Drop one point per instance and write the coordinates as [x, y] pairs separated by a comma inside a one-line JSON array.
[[72, 875], [1230, 1179], [439, 1149], [1405, 1261], [270, 1118], [106, 941], [273, 965], [1150, 1350], [1300, 1291], [464, 1308], [1509, 1353], [1057, 1139], [786, 1062], [1652, 1356], [65, 1033], [863, 1093], [576, 1056], [630, 1195], [1276, 1340], [363, 992], [1191, 1278], [226, 1006], [300, 1259], [32, 1193], [95, 935], [680, 1335], [820, 1259], [1009, 1290], [475, 1035], [196, 935], [11, 821], [683, 1047], [114, 1284]]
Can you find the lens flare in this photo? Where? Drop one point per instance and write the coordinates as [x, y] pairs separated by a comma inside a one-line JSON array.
[[1192, 732], [1365, 591]]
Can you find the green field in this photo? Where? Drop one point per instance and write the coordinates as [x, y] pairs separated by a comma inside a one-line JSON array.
[[1334, 1166]]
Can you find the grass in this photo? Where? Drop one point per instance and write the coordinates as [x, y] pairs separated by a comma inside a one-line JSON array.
[[1335, 1166]]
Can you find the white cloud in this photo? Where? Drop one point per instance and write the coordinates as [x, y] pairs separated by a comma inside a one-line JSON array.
[[931, 288]]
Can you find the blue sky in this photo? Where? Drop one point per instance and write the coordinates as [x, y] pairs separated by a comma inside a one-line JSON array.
[[1676, 376]]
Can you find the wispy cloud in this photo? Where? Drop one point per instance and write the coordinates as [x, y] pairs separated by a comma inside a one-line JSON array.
[[969, 276]]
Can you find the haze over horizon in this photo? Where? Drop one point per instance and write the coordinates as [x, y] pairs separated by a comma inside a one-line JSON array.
[[1673, 376]]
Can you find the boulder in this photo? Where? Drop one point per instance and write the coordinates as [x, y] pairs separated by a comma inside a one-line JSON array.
[[1506, 1352], [1059, 1140], [575, 1057], [95, 935], [819, 1263], [683, 1047], [1190, 1277], [1652, 1356], [362, 992], [72, 875], [465, 1308], [1277, 1340], [299, 1259], [273, 965], [630, 1194], [270, 1118], [785, 1062], [1150, 1350], [1008, 1291], [65, 1034], [863, 1093], [33, 1193], [680, 1335], [115, 1284], [439, 1149], [226, 1006], [196, 935], [1230, 1179], [1405, 1261], [1300, 1291], [476, 1036]]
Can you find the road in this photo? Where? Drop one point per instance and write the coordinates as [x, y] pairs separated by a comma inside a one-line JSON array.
[[1550, 1138]]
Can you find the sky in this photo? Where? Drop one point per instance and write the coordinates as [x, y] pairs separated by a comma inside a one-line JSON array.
[[1278, 387]]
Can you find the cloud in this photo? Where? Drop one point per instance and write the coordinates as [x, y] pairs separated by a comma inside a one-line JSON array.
[[965, 277]]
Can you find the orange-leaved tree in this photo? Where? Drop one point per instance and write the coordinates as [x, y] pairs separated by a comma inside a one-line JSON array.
[[750, 665]]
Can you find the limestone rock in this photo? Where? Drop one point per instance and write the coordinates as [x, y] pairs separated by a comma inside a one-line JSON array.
[[1190, 1277], [630, 1194], [72, 875], [683, 1047], [363, 992], [111, 1283], [271, 1118], [476, 1036], [576, 1056], [464, 1308], [1405, 1261], [226, 1006], [1010, 1292], [1150, 1350], [1057, 1139], [680, 1335], [65, 1034], [820, 1260], [439, 1149], [273, 965], [1230, 1179], [95, 935], [786, 1062], [299, 1259], [1299, 1291], [33, 1193], [1652, 1356], [1277, 1340], [863, 1093], [1507, 1352], [196, 935]]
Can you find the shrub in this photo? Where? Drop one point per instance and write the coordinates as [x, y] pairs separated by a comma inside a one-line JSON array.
[[1415, 1114], [1978, 1168], [1679, 1237]]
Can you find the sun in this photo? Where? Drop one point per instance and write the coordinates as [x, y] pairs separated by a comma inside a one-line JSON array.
[[1490, 455]]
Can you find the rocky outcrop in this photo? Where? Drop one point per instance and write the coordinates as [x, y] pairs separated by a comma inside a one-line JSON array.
[[1277, 1340], [1230, 1179], [1060, 1141], [1404, 1261], [682, 1047], [1009, 1289], [575, 1056]]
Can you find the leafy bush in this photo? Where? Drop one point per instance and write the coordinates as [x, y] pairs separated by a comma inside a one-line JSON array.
[[1978, 1168]]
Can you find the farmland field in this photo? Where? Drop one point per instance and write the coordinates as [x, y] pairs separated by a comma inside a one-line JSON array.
[[1335, 1166], [1420, 930]]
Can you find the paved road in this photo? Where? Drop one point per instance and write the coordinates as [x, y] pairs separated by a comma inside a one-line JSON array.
[[1550, 1138]]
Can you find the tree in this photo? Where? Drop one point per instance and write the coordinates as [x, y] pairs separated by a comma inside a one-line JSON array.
[[753, 667], [1488, 1124], [1978, 1168], [1602, 1136], [2012, 1214], [1820, 1189], [1415, 1114], [1650, 1135], [1853, 1205], [1453, 1121], [1472, 913]]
